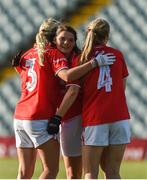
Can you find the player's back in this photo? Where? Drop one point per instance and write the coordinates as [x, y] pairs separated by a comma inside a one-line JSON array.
[[104, 98], [39, 87]]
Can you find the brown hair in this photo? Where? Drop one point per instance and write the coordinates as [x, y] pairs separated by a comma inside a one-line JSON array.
[[46, 34], [98, 31], [65, 27]]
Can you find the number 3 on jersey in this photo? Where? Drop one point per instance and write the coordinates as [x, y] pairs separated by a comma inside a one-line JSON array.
[[30, 86], [104, 79]]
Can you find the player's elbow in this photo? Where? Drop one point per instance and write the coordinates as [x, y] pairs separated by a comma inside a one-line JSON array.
[[64, 75], [67, 78]]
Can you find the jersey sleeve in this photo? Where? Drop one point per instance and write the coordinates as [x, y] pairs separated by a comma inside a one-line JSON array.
[[59, 62], [125, 72], [18, 69]]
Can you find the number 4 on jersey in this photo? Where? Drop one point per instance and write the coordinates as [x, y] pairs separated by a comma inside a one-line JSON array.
[[104, 79]]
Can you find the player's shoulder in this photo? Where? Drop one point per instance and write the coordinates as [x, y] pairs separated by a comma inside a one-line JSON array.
[[54, 50], [30, 52], [114, 50]]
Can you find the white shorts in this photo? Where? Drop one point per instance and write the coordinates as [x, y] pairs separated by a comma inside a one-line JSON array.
[[29, 134], [107, 134], [70, 137]]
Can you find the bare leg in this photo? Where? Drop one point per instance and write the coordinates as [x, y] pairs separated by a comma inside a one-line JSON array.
[[27, 159], [49, 155], [111, 161], [73, 166], [103, 162], [91, 159]]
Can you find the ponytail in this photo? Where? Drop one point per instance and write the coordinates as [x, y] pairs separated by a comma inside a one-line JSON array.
[[41, 42], [98, 32], [87, 48], [45, 35]]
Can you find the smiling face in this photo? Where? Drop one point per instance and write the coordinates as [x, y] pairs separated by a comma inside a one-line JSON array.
[[65, 42]]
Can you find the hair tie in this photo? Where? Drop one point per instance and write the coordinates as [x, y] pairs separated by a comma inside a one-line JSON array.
[[90, 30]]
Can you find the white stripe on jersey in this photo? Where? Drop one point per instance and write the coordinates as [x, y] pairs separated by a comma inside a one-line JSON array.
[[60, 59]]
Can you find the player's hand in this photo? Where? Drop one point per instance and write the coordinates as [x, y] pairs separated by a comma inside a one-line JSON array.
[[16, 59], [105, 59], [53, 125]]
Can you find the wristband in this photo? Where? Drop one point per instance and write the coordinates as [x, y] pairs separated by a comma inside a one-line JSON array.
[[94, 63], [58, 117]]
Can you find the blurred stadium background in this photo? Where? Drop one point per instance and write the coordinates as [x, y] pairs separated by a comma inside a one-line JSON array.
[[19, 22]]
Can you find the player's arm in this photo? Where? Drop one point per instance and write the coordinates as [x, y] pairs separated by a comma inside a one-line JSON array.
[[77, 72], [68, 100], [15, 61]]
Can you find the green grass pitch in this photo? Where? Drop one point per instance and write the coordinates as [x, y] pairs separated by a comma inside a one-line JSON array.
[[129, 169]]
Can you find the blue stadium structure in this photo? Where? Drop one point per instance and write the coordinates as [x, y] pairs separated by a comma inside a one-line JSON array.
[[20, 20]]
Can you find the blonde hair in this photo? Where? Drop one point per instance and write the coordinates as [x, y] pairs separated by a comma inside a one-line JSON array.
[[98, 31], [46, 32]]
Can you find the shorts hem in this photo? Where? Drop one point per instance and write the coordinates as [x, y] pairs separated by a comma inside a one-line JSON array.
[[37, 145], [25, 146], [87, 144], [120, 143]]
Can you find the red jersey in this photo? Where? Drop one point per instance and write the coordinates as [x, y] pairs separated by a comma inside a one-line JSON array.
[[39, 85], [76, 108], [104, 98]]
